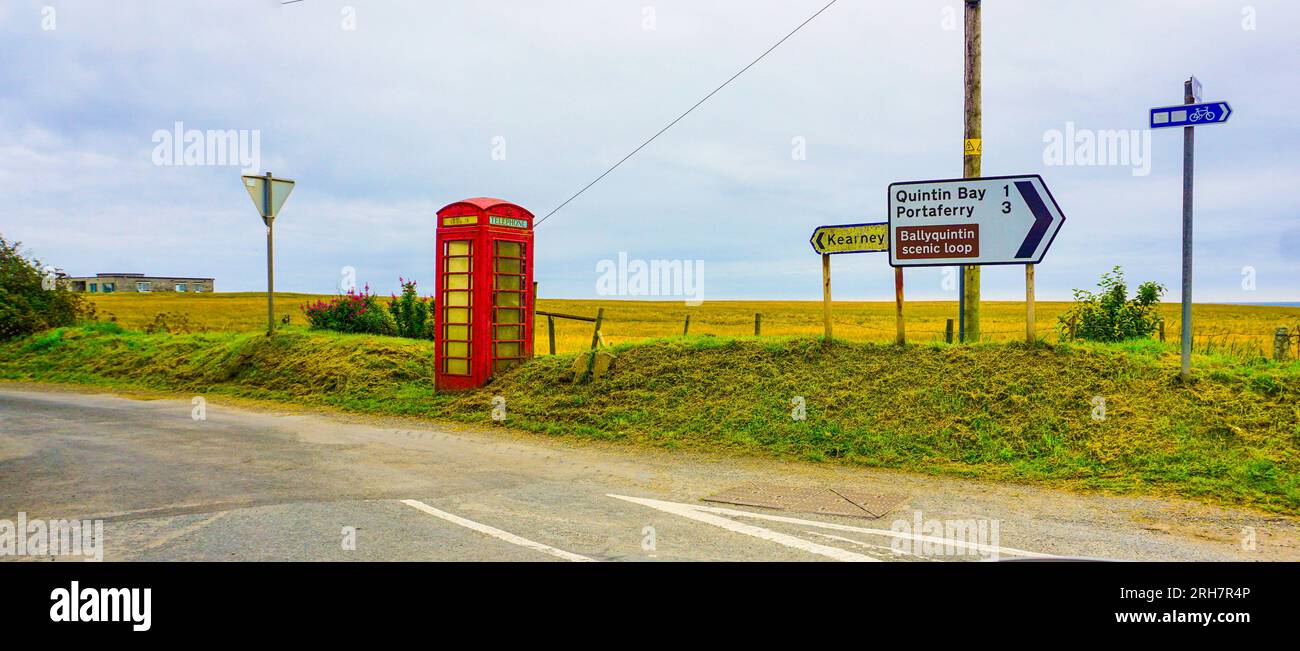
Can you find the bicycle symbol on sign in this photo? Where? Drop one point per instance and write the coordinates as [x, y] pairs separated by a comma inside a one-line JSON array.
[[1203, 112]]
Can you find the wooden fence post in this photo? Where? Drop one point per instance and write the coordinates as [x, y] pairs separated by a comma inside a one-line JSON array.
[[1281, 345], [595, 335], [550, 330], [686, 329], [1162, 331], [758, 321], [595, 341], [947, 331]]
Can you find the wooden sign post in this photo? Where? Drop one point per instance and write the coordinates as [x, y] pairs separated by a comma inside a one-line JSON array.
[[898, 305], [1029, 304], [849, 238], [826, 292]]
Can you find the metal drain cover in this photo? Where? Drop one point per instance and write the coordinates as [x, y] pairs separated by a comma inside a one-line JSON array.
[[853, 503]]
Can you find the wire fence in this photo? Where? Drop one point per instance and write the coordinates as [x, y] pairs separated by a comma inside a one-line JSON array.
[[1212, 340]]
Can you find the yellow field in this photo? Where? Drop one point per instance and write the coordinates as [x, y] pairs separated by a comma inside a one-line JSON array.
[[1217, 326]]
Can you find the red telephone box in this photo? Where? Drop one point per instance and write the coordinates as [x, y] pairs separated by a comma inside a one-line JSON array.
[[484, 302]]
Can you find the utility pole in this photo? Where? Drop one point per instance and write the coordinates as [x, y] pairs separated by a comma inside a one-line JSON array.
[[972, 150], [1189, 145]]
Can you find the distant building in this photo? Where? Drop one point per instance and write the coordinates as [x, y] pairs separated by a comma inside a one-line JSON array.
[[121, 282]]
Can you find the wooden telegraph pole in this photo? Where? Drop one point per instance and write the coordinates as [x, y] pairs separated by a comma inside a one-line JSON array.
[[973, 148]]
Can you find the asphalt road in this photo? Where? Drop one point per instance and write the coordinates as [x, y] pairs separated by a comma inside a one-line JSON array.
[[247, 485]]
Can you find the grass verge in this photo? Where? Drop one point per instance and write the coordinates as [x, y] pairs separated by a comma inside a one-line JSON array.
[[1006, 412]]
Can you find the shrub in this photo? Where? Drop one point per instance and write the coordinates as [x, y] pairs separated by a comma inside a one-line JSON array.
[[30, 301], [1109, 314], [411, 313], [354, 312]]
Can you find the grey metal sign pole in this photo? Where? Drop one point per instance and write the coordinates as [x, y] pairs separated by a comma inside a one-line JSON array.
[[1189, 145], [1193, 112], [270, 258], [262, 189]]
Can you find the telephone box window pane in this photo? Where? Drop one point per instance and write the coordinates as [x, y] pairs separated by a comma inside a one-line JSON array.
[[458, 265], [457, 281], [456, 299], [510, 266], [510, 332], [455, 315], [460, 332], [509, 282], [456, 366], [509, 249], [507, 349], [455, 349], [508, 299], [509, 315], [457, 247]]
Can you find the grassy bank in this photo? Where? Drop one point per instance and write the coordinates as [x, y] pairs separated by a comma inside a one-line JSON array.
[[994, 411]]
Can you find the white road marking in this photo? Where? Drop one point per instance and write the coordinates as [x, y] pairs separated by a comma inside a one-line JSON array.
[[859, 543], [700, 509], [689, 511], [183, 531], [497, 533]]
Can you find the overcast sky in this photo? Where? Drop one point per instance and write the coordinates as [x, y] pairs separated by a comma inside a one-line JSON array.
[[416, 106]]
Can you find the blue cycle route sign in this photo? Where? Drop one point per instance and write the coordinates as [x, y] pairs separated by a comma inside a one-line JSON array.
[[1190, 115]]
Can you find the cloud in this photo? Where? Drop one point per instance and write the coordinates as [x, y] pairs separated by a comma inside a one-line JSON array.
[[382, 125]]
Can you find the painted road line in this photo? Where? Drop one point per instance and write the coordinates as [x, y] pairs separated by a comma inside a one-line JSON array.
[[986, 548], [690, 512], [497, 533], [173, 535], [1008, 551]]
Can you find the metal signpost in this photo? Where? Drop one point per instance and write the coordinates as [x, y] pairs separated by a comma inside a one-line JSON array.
[[1188, 115], [268, 194]]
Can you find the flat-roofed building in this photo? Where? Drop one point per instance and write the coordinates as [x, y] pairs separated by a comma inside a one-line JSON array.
[[107, 283]]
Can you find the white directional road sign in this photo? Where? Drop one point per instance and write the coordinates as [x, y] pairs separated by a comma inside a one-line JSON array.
[[981, 221], [268, 203]]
